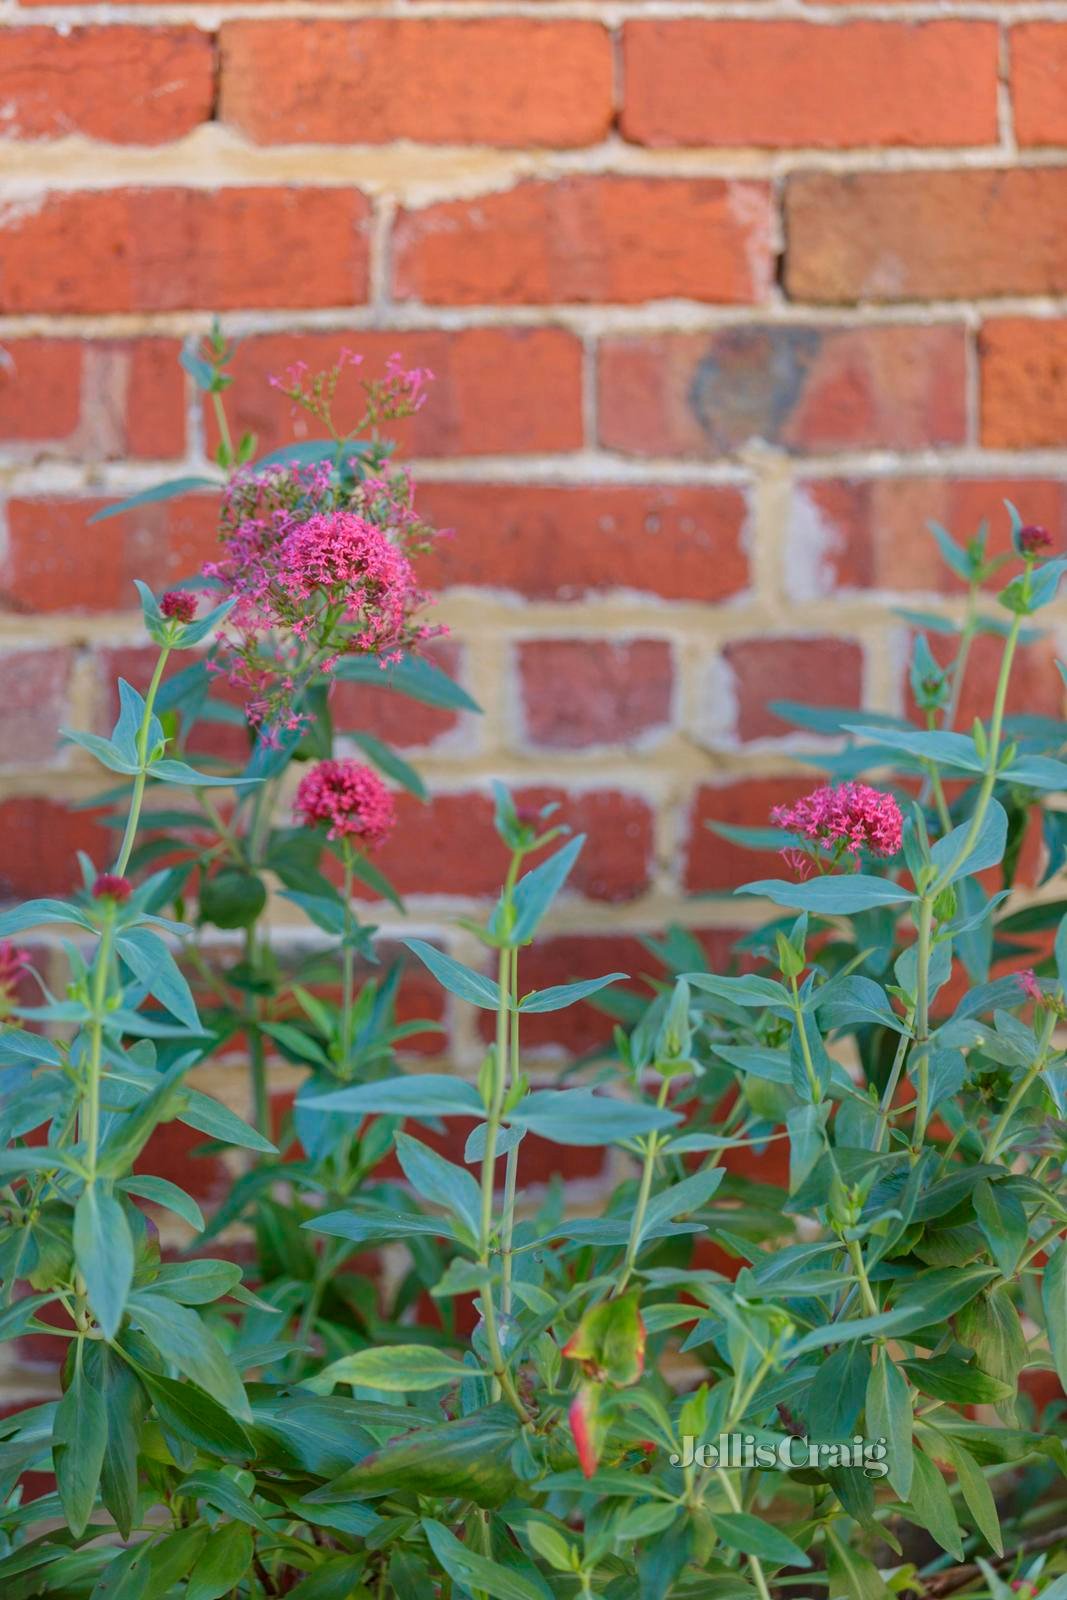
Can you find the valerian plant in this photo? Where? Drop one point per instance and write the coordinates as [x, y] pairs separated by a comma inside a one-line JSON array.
[[726, 1383]]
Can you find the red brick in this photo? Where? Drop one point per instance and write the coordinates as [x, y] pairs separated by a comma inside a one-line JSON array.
[[40, 389], [495, 391], [1039, 82], [676, 541], [567, 959], [1023, 371], [623, 239], [871, 533], [167, 249], [123, 85], [580, 692], [925, 235], [449, 847], [821, 672], [34, 688], [153, 424], [802, 389], [1035, 687], [783, 84], [55, 562], [491, 80], [405, 724], [713, 864], [38, 844]]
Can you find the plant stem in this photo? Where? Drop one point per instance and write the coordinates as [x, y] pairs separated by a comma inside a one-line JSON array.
[[96, 1040], [637, 1221], [889, 1092], [348, 959], [256, 1054], [805, 1046], [870, 1304], [753, 1561], [1036, 1067], [507, 1229], [922, 1017], [130, 834]]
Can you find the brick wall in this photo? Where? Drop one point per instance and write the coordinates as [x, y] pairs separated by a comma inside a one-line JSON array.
[[724, 301]]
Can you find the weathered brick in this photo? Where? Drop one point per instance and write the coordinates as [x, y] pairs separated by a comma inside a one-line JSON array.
[[694, 82], [871, 533], [622, 239], [406, 724], [39, 841], [1023, 365], [567, 958], [55, 562], [819, 671], [713, 864], [34, 687], [802, 389], [40, 389], [1039, 82], [449, 847], [495, 390], [675, 541], [580, 692], [166, 249], [925, 235], [373, 80], [125, 85]]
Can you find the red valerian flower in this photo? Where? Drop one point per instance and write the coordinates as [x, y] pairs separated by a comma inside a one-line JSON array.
[[109, 886], [1034, 540], [177, 605], [1027, 981], [13, 963], [846, 820], [350, 799]]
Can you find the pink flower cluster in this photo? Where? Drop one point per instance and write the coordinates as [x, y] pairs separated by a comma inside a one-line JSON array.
[[1034, 540], [846, 820], [13, 963], [350, 799]]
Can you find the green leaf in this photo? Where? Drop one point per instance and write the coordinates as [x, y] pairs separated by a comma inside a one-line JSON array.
[[957, 1382], [395, 1368], [889, 1417], [749, 990], [1002, 1219], [103, 1250], [455, 977], [125, 1403], [681, 1198], [428, 1094], [36, 913], [975, 1489], [162, 491], [232, 898], [189, 1412], [79, 1439], [184, 1340], [580, 1117], [212, 1117], [414, 676], [856, 999], [440, 1182], [152, 963], [222, 1563], [567, 994], [180, 772], [394, 766], [844, 894], [987, 850], [366, 1226], [467, 1459], [944, 749], [536, 890], [474, 1572], [852, 1575], [741, 1531], [196, 1283], [931, 1506], [1054, 1301]]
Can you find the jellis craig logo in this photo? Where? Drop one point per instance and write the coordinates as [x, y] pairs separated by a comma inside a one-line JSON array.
[[869, 1456]]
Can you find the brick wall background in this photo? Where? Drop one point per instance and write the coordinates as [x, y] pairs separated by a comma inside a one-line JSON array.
[[724, 300]]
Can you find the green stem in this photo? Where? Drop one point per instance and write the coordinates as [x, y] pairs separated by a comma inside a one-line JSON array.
[[348, 960], [870, 1304], [511, 1175], [888, 1094], [1015, 1099], [753, 1561], [922, 1017], [257, 1059], [637, 1221], [96, 1042], [139, 782], [224, 426], [805, 1047]]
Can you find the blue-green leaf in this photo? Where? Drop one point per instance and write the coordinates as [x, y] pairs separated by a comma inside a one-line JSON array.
[[421, 1095], [103, 1250], [149, 960], [162, 491], [839, 895], [414, 676], [455, 977], [394, 766], [566, 994]]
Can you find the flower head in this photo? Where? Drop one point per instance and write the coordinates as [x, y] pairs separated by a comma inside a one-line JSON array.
[[178, 605], [1027, 981], [109, 886], [13, 963], [845, 820], [350, 799], [1034, 540]]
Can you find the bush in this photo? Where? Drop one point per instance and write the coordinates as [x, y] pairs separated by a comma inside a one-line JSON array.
[[719, 1387]]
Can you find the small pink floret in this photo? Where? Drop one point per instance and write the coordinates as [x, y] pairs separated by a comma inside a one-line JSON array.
[[854, 817], [1027, 981], [109, 886], [1034, 540], [177, 605], [13, 963], [350, 799]]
